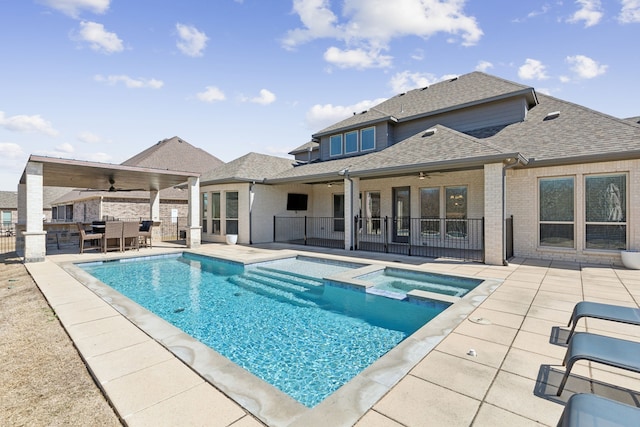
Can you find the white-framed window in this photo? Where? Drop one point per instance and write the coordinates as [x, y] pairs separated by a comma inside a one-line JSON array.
[[205, 206], [368, 139], [215, 213], [430, 211], [605, 211], [557, 211], [371, 212], [335, 145], [231, 212], [338, 212], [351, 142]]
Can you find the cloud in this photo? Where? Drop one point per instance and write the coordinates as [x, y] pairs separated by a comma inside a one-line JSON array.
[[406, 80], [484, 66], [630, 12], [11, 151], [590, 12], [74, 7], [98, 38], [532, 70], [65, 148], [585, 67], [191, 41], [89, 138], [368, 26], [266, 97], [211, 94], [23, 123], [357, 58], [321, 116], [129, 82]]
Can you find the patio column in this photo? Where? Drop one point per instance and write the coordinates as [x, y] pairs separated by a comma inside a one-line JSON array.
[[493, 214], [35, 241], [194, 233], [154, 205], [351, 194]]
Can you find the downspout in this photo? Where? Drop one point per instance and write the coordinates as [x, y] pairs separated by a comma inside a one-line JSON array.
[[345, 173], [251, 197], [510, 164]]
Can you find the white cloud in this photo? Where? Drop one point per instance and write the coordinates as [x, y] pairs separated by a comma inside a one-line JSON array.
[[24, 123], [98, 38], [74, 7], [484, 66], [406, 80], [266, 97], [129, 82], [368, 26], [630, 12], [585, 67], [532, 70], [9, 150], [89, 138], [357, 58], [192, 42], [211, 94], [65, 148], [590, 12], [321, 116]]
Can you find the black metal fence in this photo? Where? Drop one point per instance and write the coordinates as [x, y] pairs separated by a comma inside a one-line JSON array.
[[7, 239], [171, 228], [427, 237], [326, 232]]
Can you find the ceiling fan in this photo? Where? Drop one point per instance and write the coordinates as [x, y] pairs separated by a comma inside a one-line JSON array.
[[113, 189]]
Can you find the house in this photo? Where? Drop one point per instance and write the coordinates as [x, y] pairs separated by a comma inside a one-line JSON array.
[[131, 203], [476, 167]]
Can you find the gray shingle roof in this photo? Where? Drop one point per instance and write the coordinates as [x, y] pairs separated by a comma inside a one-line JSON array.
[[250, 167], [467, 89], [305, 147], [634, 120], [175, 154]]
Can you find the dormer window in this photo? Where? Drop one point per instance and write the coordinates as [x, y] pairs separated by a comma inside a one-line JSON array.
[[368, 139], [351, 142], [335, 145]]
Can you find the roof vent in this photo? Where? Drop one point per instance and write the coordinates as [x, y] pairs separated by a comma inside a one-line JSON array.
[[364, 112], [552, 115], [425, 88], [453, 79], [430, 131], [401, 94]]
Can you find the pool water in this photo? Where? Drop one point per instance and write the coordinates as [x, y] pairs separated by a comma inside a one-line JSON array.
[[402, 281], [302, 336]]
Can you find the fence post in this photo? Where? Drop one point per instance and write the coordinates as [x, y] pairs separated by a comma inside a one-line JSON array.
[[305, 230], [385, 238], [355, 233], [274, 229]]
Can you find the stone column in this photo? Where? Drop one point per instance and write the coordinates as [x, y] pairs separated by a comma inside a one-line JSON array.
[[351, 200], [194, 233], [493, 214], [35, 240]]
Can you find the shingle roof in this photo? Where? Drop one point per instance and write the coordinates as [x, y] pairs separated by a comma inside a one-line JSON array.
[[250, 167], [634, 120], [305, 147], [465, 90], [175, 154]]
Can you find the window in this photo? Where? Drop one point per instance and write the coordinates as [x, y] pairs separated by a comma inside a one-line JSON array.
[[69, 213], [338, 212], [430, 211], [205, 200], [215, 213], [6, 220], [351, 142], [367, 139], [232, 212], [557, 212], [335, 145], [606, 212], [372, 212], [456, 211]]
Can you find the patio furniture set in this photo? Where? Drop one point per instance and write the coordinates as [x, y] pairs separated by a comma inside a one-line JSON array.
[[116, 235]]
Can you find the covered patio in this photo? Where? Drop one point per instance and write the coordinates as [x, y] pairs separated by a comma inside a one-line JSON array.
[[43, 171]]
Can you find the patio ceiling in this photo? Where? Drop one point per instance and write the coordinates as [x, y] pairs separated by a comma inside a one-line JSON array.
[[81, 174]]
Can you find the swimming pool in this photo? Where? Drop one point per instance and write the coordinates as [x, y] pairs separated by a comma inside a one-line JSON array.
[[293, 330]]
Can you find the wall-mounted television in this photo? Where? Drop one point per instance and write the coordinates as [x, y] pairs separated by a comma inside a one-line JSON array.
[[297, 202]]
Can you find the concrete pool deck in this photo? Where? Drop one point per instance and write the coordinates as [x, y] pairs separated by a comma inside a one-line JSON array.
[[516, 333]]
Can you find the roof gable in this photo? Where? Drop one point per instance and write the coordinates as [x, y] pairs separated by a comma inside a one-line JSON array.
[[250, 167]]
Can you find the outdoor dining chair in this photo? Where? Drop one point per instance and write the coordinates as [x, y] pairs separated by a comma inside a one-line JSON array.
[[112, 231], [89, 237]]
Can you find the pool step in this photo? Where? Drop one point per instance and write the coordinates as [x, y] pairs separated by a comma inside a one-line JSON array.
[[295, 278], [247, 282]]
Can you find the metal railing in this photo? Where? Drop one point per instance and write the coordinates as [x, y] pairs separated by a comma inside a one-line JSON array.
[[324, 232], [7, 239], [171, 228], [427, 237]]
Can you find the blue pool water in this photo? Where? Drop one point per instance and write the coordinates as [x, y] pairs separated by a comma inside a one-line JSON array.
[[402, 281], [298, 334]]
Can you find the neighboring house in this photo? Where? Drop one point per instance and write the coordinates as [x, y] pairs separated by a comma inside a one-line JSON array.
[[127, 203], [440, 171], [9, 206]]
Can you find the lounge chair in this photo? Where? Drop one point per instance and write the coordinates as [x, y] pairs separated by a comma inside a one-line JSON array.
[[112, 231], [130, 235], [598, 310], [590, 410], [145, 234], [609, 351], [88, 237]]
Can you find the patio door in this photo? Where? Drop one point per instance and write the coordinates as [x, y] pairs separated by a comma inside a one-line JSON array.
[[401, 214]]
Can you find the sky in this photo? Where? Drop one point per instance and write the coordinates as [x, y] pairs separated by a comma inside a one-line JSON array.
[[102, 80]]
